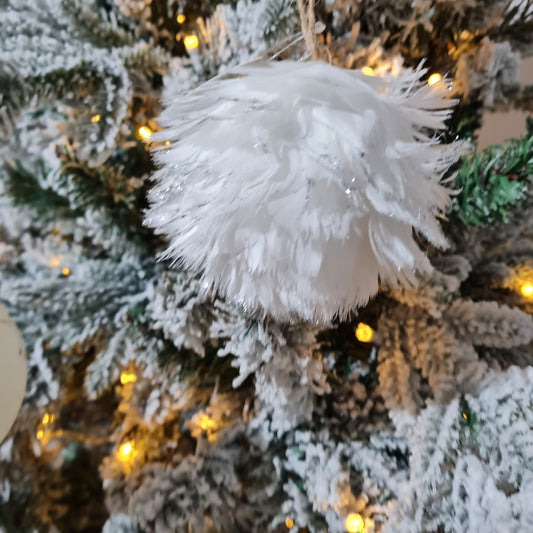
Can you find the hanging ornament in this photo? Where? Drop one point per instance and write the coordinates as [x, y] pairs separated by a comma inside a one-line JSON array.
[[293, 187], [13, 370]]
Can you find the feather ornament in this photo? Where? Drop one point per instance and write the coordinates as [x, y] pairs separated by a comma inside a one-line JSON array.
[[293, 188]]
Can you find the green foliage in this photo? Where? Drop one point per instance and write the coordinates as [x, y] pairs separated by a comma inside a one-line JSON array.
[[491, 182], [281, 19], [79, 187], [104, 185], [464, 122], [468, 419], [91, 26], [73, 52], [25, 190]]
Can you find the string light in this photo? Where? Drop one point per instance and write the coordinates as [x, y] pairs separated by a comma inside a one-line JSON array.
[[180, 18], [367, 71], [44, 432], [205, 423], [127, 377], [527, 290], [363, 332], [95, 118], [190, 42], [434, 78], [289, 522], [126, 452], [54, 262], [355, 523], [145, 133], [465, 416], [202, 423], [66, 271], [167, 143], [521, 280]]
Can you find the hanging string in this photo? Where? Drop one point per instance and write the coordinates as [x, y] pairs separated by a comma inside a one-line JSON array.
[[307, 21]]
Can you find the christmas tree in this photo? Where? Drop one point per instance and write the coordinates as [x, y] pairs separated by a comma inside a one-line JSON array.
[[186, 372]]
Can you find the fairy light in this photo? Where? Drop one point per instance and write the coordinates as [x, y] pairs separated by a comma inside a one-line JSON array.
[[126, 452], [521, 280], [95, 118], [180, 18], [289, 522], [66, 271], [55, 261], [190, 42], [367, 71], [167, 143], [145, 133], [363, 332], [434, 78], [355, 523], [127, 377], [40, 434], [465, 416], [205, 423], [46, 418], [527, 290]]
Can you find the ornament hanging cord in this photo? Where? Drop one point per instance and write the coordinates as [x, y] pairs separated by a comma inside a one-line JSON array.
[[307, 21]]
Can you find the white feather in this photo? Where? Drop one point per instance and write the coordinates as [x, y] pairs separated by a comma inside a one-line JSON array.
[[293, 188]]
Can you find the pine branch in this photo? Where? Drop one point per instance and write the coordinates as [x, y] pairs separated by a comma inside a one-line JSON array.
[[26, 191], [90, 25], [280, 20], [491, 182], [104, 186]]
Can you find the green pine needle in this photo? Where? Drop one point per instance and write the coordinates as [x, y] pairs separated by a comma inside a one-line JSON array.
[[492, 182], [25, 190], [281, 20]]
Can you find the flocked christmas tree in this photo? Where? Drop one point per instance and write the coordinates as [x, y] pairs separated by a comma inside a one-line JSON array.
[[264, 280]]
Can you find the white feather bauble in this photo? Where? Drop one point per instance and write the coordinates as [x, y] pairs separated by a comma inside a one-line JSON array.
[[13, 370], [293, 187]]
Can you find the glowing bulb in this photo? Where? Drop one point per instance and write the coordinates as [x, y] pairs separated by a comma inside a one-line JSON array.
[[190, 42], [127, 377], [40, 434], [54, 262], [434, 78], [95, 118], [527, 290], [125, 452], [367, 71], [46, 418], [465, 416], [355, 523], [180, 18], [363, 332], [167, 143], [145, 133], [289, 522], [205, 423], [65, 271]]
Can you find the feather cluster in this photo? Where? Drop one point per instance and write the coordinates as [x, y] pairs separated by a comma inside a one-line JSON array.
[[293, 188]]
